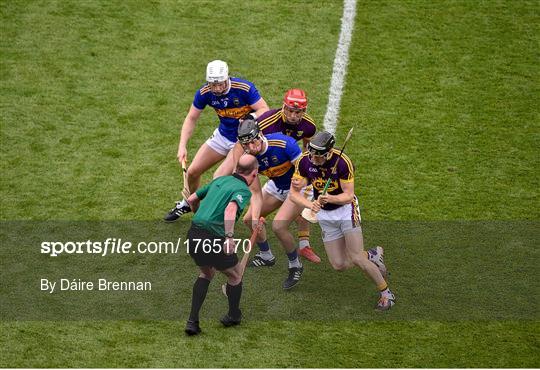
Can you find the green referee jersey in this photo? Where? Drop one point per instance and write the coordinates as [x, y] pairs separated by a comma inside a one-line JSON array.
[[215, 197]]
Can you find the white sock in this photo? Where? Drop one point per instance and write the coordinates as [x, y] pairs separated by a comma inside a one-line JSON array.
[[303, 243], [295, 263]]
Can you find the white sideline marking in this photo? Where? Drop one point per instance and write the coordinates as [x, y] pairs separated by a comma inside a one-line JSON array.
[[340, 66]]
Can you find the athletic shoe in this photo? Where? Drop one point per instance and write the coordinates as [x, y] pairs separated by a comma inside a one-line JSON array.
[[309, 254], [386, 301], [192, 328], [295, 273], [258, 261], [175, 213], [376, 255], [228, 321]]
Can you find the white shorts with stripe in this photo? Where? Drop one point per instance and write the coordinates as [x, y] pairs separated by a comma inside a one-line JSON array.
[[337, 222], [220, 143], [271, 188]]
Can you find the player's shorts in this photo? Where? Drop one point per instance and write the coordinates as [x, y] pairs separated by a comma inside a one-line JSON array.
[[337, 222], [220, 143], [204, 252], [271, 188], [281, 194]]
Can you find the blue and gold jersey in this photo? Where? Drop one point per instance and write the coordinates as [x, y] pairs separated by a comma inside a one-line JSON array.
[[229, 107], [277, 160]]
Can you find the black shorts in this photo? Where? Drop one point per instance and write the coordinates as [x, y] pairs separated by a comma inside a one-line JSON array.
[[206, 249]]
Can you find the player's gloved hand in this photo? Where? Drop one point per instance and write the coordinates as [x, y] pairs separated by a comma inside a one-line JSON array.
[[229, 246], [252, 116], [315, 206]]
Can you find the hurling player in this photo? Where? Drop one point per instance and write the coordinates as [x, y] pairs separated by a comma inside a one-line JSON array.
[[292, 120], [276, 153], [232, 99], [337, 212]]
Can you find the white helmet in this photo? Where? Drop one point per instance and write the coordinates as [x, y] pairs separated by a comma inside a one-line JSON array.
[[217, 71]]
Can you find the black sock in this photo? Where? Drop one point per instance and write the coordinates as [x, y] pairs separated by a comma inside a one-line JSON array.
[[200, 288], [234, 292]]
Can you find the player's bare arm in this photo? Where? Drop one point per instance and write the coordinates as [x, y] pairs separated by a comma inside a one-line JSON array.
[[187, 131], [295, 194], [260, 107], [229, 164]]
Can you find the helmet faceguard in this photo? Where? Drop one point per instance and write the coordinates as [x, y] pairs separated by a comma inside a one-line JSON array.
[[294, 106], [320, 147], [217, 76], [248, 131]]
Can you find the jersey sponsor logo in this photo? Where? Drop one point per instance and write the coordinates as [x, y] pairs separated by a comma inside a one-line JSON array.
[[236, 113], [319, 184], [277, 171]]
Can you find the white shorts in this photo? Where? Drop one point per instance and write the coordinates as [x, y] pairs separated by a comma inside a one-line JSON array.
[[220, 143], [337, 222], [271, 188]]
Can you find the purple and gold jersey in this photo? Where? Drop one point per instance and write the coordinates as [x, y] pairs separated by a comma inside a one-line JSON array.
[[276, 162], [274, 121], [229, 107], [318, 175]]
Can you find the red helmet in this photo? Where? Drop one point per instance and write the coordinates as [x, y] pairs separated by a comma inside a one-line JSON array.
[[295, 98]]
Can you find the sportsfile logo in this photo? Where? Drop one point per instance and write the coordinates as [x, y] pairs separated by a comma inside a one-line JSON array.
[[118, 246], [111, 246]]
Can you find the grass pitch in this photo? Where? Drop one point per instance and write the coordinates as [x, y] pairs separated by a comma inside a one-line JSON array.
[[443, 97]]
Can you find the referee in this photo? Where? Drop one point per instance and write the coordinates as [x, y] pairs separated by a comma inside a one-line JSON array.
[[210, 238]]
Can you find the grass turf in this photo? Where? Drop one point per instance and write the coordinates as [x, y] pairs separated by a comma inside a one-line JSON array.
[[443, 97]]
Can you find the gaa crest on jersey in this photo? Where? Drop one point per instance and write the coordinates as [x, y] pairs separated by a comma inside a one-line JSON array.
[[274, 159], [236, 102]]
